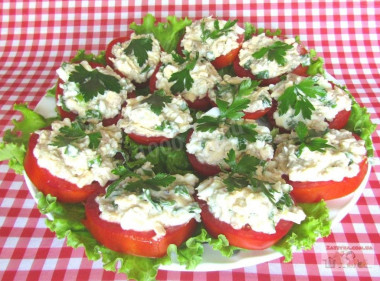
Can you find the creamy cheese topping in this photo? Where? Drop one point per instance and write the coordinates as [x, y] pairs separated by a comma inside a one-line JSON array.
[[332, 164], [108, 105], [246, 207], [210, 48], [264, 67], [326, 108], [212, 147], [138, 118], [77, 163], [260, 98], [152, 210], [204, 75], [128, 65]]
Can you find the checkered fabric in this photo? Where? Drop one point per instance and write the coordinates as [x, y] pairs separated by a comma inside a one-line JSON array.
[[37, 36]]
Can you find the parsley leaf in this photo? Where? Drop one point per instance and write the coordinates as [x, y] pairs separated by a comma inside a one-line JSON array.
[[159, 180], [217, 32], [93, 83], [276, 51], [74, 133], [249, 30], [298, 95], [140, 47], [182, 79], [307, 139], [157, 101]]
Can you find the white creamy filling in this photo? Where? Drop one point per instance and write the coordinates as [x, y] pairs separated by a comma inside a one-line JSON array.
[[134, 212], [210, 48], [108, 105], [257, 66], [334, 164], [128, 65], [212, 147], [138, 118], [204, 75], [77, 163], [260, 98], [244, 206], [326, 109]]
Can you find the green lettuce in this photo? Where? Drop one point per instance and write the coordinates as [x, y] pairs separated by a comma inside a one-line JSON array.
[[168, 34], [15, 141], [82, 56], [361, 124], [303, 236]]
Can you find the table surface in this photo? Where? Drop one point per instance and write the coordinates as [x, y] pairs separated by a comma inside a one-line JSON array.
[[37, 36]]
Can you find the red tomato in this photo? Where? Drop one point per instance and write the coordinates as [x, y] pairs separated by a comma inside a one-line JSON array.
[[204, 169], [50, 184], [256, 114], [245, 237], [199, 104], [315, 191], [137, 243], [147, 140], [227, 59]]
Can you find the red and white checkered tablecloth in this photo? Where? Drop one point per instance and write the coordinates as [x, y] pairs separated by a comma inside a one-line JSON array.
[[37, 36]]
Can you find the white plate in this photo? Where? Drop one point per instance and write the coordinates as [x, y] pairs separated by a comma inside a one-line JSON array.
[[212, 260]]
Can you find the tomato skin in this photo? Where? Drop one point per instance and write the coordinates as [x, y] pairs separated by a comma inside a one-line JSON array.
[[49, 184], [202, 168], [256, 114], [147, 140], [137, 243], [245, 237], [312, 192]]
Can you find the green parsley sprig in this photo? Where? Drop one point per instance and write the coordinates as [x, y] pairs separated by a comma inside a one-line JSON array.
[[182, 79], [140, 48], [298, 97], [218, 31], [69, 135], [93, 83], [275, 52], [157, 101], [243, 174], [309, 138]]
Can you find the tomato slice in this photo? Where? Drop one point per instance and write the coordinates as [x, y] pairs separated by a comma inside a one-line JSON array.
[[227, 59], [204, 169], [245, 237], [49, 184], [311, 192], [147, 140], [256, 114], [133, 242]]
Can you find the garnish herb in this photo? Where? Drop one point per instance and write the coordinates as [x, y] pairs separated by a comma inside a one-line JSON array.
[[242, 174], [182, 79], [140, 48], [308, 138], [249, 30], [298, 95], [217, 32], [93, 83], [157, 101], [275, 52], [69, 135]]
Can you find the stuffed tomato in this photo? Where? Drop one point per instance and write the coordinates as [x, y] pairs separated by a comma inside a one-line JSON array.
[[91, 91], [267, 59], [144, 222], [260, 101], [70, 161], [312, 100], [190, 77], [218, 41], [207, 149], [321, 172], [245, 215], [134, 57], [155, 118]]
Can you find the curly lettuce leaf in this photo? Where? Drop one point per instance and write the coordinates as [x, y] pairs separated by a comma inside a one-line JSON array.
[[15, 141], [82, 56], [303, 236], [361, 124], [168, 34]]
